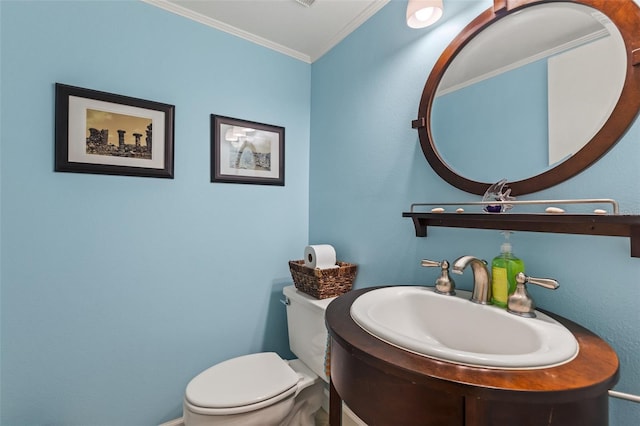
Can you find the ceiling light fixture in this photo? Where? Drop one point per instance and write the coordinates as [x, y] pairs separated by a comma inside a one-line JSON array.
[[422, 13]]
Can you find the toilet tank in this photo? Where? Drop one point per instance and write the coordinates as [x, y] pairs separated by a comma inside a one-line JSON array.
[[307, 330]]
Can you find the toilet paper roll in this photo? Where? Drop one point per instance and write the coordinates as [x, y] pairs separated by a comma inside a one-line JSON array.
[[321, 256]]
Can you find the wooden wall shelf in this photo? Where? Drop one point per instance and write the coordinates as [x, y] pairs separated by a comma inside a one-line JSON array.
[[582, 224]]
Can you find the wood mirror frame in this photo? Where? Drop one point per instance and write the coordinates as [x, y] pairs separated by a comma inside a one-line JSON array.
[[625, 15]]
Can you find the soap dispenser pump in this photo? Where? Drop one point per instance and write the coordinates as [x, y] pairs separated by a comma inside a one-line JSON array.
[[504, 269]]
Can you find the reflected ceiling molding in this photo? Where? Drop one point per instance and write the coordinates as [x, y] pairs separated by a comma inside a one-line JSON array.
[[446, 88]]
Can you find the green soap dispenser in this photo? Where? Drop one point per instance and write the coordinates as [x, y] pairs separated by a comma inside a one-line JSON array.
[[504, 269]]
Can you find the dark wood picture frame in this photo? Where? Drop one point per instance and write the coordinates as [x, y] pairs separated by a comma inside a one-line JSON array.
[[245, 151], [104, 133]]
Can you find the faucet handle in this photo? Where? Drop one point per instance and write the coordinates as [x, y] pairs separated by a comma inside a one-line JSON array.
[[549, 283], [520, 302], [430, 263], [444, 283]]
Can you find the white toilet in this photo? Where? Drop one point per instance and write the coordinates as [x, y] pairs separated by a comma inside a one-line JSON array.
[[263, 389]]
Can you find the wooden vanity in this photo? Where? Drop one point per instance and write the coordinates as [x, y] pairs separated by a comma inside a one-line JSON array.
[[385, 385]]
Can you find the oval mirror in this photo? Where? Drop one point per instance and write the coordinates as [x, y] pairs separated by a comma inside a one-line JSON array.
[[534, 93]]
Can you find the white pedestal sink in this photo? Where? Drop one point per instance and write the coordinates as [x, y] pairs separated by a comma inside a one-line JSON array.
[[451, 328]]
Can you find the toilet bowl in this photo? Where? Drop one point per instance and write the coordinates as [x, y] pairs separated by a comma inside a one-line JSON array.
[[262, 389]]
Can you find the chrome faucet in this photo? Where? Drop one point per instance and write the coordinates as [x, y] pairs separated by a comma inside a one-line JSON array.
[[481, 284]]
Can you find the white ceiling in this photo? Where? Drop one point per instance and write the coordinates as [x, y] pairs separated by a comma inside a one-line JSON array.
[[287, 26]]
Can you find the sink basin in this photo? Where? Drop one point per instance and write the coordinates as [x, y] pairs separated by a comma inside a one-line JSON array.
[[451, 328]]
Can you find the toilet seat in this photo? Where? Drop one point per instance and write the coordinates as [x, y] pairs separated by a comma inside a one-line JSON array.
[[242, 384]]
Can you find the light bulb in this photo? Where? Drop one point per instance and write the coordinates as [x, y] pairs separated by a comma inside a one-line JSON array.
[[422, 13]]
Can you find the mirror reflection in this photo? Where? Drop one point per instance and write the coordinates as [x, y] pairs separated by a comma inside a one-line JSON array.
[[528, 92]]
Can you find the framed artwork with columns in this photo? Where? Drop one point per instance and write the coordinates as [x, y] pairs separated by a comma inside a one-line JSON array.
[[105, 133]]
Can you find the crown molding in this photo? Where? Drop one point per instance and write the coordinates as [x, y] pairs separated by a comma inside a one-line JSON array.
[[359, 20], [210, 22]]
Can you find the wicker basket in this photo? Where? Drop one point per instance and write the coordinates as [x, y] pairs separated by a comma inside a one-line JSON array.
[[323, 283]]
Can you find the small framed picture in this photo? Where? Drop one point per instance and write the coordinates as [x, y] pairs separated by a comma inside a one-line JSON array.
[[246, 152], [104, 133]]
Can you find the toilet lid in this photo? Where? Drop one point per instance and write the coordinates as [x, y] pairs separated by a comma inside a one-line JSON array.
[[245, 380]]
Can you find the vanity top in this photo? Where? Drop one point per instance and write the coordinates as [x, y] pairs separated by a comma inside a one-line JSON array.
[[593, 371]]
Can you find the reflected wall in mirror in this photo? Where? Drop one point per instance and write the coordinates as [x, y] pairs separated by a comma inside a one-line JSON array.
[[534, 94], [548, 107]]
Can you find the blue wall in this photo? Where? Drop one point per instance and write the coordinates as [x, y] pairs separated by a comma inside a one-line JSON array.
[[117, 290], [367, 168]]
